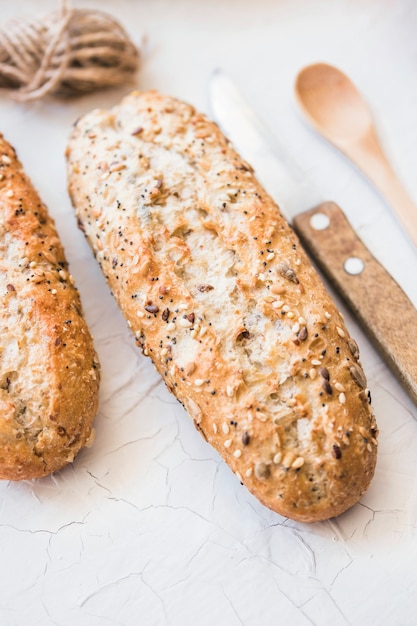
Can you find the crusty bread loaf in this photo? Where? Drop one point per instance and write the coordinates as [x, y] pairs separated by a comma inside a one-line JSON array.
[[48, 367], [219, 293]]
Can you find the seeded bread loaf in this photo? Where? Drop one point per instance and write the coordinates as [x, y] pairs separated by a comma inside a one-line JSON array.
[[219, 293], [48, 367]]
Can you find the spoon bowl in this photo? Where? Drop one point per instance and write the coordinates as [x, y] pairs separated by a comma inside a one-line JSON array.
[[332, 102], [336, 109]]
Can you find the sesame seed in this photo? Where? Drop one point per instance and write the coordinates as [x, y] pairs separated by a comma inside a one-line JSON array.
[[340, 332], [6, 159], [296, 327], [140, 313], [164, 351], [184, 322], [170, 326], [363, 432], [229, 391], [313, 373], [315, 362], [299, 462], [203, 331], [277, 304], [10, 193], [237, 453], [215, 429], [342, 398], [277, 458], [369, 447], [278, 289], [302, 320], [248, 472], [227, 443], [290, 314], [339, 387], [288, 459], [286, 308], [225, 428], [198, 382], [327, 315], [53, 291], [270, 256]]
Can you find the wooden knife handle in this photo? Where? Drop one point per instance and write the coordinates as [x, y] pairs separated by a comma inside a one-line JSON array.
[[374, 297]]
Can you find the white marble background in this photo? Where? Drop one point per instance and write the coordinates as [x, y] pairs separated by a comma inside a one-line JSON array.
[[149, 527]]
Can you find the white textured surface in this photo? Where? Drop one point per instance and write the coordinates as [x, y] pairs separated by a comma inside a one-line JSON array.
[[149, 526]]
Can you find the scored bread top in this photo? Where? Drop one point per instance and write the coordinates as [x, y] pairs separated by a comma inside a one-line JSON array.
[[220, 294], [48, 367]]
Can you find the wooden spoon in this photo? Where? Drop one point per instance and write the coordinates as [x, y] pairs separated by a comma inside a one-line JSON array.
[[336, 109]]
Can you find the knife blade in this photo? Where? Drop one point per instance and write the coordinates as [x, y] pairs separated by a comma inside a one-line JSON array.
[[364, 285]]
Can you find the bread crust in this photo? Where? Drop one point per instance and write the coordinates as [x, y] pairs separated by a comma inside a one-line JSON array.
[[220, 294], [49, 374]]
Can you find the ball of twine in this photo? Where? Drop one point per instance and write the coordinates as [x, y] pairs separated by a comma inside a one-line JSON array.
[[65, 53]]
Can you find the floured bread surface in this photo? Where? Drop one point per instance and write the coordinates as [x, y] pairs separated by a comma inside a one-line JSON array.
[[219, 293], [48, 367]]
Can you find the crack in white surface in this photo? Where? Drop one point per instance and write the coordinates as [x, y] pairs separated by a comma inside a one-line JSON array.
[[103, 588], [339, 572], [381, 385], [338, 533], [132, 442], [298, 607], [308, 548], [337, 607], [128, 385], [97, 483], [232, 606], [122, 579], [40, 531]]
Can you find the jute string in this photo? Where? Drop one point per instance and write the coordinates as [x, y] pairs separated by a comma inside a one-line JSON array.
[[65, 53]]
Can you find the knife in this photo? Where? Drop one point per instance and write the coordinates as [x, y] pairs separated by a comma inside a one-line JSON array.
[[364, 285]]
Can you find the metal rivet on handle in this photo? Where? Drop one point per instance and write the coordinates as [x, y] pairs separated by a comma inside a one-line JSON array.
[[319, 221], [354, 265]]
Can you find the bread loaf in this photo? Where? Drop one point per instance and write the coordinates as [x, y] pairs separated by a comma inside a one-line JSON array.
[[48, 367], [219, 293]]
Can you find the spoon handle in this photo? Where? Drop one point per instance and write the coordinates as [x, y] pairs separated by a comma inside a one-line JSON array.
[[368, 155], [367, 288]]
